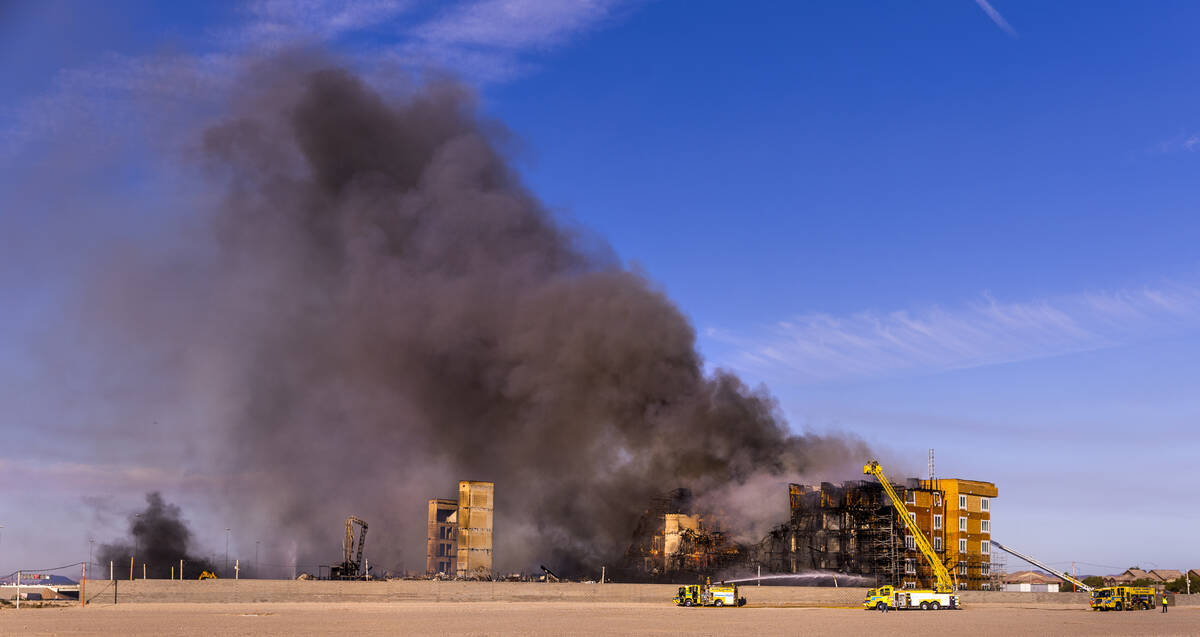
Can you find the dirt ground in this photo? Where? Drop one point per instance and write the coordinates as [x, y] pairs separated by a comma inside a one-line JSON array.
[[558, 618]]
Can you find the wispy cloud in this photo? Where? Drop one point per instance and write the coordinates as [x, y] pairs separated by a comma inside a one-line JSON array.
[[1182, 143], [512, 24], [486, 41], [997, 18], [490, 40], [821, 347], [274, 23]]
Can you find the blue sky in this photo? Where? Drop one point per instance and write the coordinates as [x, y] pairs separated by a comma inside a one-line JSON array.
[[952, 225]]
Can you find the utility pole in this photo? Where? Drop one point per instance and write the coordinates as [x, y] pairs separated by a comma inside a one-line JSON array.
[[256, 575], [226, 552], [136, 526]]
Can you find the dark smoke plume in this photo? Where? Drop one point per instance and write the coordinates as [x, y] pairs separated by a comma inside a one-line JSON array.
[[389, 311], [158, 538]]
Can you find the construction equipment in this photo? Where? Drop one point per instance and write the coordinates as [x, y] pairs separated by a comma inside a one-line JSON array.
[[1123, 598], [1063, 576], [351, 566], [943, 595], [550, 575], [207, 575], [708, 595]]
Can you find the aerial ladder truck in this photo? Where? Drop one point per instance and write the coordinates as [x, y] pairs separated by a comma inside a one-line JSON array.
[[1063, 576], [943, 595], [1103, 599]]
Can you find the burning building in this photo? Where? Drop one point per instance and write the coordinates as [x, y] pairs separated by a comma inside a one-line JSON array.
[[849, 528], [674, 542], [459, 541], [853, 528]]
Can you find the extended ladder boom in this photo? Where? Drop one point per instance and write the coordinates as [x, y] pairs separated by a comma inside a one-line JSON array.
[[944, 583], [1060, 575]]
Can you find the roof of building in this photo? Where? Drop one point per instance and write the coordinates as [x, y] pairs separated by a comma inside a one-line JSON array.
[[1030, 577], [1166, 574], [1131, 574], [977, 487]]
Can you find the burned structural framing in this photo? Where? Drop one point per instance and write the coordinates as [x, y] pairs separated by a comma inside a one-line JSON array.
[[849, 528]]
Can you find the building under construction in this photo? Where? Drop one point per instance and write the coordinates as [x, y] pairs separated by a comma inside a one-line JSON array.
[[849, 528], [459, 541]]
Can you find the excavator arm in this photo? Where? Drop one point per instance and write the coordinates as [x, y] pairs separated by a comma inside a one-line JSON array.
[[944, 583], [349, 560]]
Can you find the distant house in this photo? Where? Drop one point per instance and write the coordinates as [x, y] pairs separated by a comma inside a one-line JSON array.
[[1130, 575], [1166, 574], [1031, 582], [1193, 573]]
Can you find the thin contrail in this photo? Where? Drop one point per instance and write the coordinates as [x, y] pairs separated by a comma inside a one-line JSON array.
[[997, 18]]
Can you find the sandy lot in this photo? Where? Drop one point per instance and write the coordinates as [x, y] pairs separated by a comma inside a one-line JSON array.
[[559, 618]]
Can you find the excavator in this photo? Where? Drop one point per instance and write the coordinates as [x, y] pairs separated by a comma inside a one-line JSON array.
[[351, 566], [943, 595]]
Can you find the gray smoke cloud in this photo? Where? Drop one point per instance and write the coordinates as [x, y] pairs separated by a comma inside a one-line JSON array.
[[384, 309], [159, 539]]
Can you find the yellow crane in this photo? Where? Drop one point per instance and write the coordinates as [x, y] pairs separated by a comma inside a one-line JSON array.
[[943, 593]]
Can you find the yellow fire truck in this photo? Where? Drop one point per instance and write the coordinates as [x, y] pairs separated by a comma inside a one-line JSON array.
[[1123, 598], [708, 595], [942, 596]]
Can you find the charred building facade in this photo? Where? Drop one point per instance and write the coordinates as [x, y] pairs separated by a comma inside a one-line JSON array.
[[672, 542], [442, 544], [853, 528], [459, 541], [849, 528]]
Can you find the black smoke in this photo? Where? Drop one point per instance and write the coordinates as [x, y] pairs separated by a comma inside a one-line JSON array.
[[382, 309], [159, 537]]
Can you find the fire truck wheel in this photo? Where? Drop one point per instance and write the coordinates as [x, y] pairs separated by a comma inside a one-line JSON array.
[[924, 605], [719, 602], [935, 605], [1119, 606], [689, 603]]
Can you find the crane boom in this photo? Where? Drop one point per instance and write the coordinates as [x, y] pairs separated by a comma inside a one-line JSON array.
[[1035, 562], [944, 583]]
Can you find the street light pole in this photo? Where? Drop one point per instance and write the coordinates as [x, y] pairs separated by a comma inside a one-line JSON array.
[[226, 553]]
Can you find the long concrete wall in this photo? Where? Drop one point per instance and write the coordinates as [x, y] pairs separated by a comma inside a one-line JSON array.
[[216, 591]]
